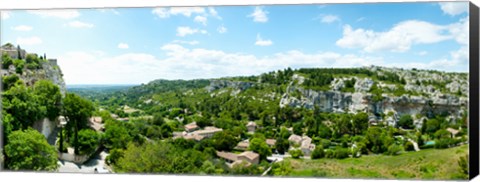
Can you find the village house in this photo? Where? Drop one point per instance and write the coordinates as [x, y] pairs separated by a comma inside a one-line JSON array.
[[197, 135], [251, 127], [453, 132], [191, 127], [96, 119], [242, 145], [233, 159], [271, 142], [307, 147], [207, 132], [295, 139], [304, 142]]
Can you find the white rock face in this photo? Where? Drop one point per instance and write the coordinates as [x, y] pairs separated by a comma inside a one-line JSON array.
[[363, 85]]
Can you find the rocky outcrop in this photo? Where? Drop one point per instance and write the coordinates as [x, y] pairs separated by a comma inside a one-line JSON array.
[[334, 101], [236, 85]]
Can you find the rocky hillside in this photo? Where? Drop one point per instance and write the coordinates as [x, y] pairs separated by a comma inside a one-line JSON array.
[[376, 90], [20, 66], [29, 67]]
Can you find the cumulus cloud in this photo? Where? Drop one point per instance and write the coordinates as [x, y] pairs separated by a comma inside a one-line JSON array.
[[29, 40], [23, 28], [261, 42], [402, 36], [79, 24], [222, 29], [63, 14], [259, 15], [329, 18], [454, 8], [183, 31], [185, 11], [214, 13], [201, 19], [123, 46]]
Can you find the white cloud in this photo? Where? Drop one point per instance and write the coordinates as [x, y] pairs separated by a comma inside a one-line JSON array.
[[63, 14], [423, 53], [261, 42], [194, 42], [161, 12], [104, 10], [398, 39], [454, 8], [22, 28], [29, 41], [259, 15], [222, 29], [5, 15], [183, 31], [123, 46], [360, 19], [329, 18], [460, 31], [201, 19], [79, 24], [185, 11], [214, 13]]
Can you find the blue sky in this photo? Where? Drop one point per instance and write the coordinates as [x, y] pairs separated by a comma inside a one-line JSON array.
[[137, 45]]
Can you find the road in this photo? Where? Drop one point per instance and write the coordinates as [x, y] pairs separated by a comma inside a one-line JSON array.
[[97, 161]]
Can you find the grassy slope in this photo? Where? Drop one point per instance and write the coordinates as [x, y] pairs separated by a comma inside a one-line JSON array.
[[426, 164]]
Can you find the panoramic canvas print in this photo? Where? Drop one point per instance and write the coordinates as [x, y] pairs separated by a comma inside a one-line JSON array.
[[376, 91]]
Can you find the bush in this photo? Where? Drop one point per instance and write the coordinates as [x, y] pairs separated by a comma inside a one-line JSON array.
[[394, 149], [342, 153], [318, 152], [444, 143], [329, 154], [296, 153], [409, 146], [326, 143]]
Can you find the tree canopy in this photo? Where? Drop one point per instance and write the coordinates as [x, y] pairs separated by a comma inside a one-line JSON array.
[[29, 150]]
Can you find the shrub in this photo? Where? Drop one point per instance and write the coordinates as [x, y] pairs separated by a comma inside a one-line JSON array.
[[296, 153], [394, 149], [409, 146], [342, 153], [329, 154], [318, 152]]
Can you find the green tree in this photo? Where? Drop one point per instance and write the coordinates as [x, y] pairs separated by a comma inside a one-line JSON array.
[[19, 65], [432, 125], [116, 135], [29, 150], [10, 81], [88, 141], [360, 122], [282, 145], [6, 61], [23, 106], [77, 111], [259, 146], [49, 96], [224, 140], [406, 121]]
